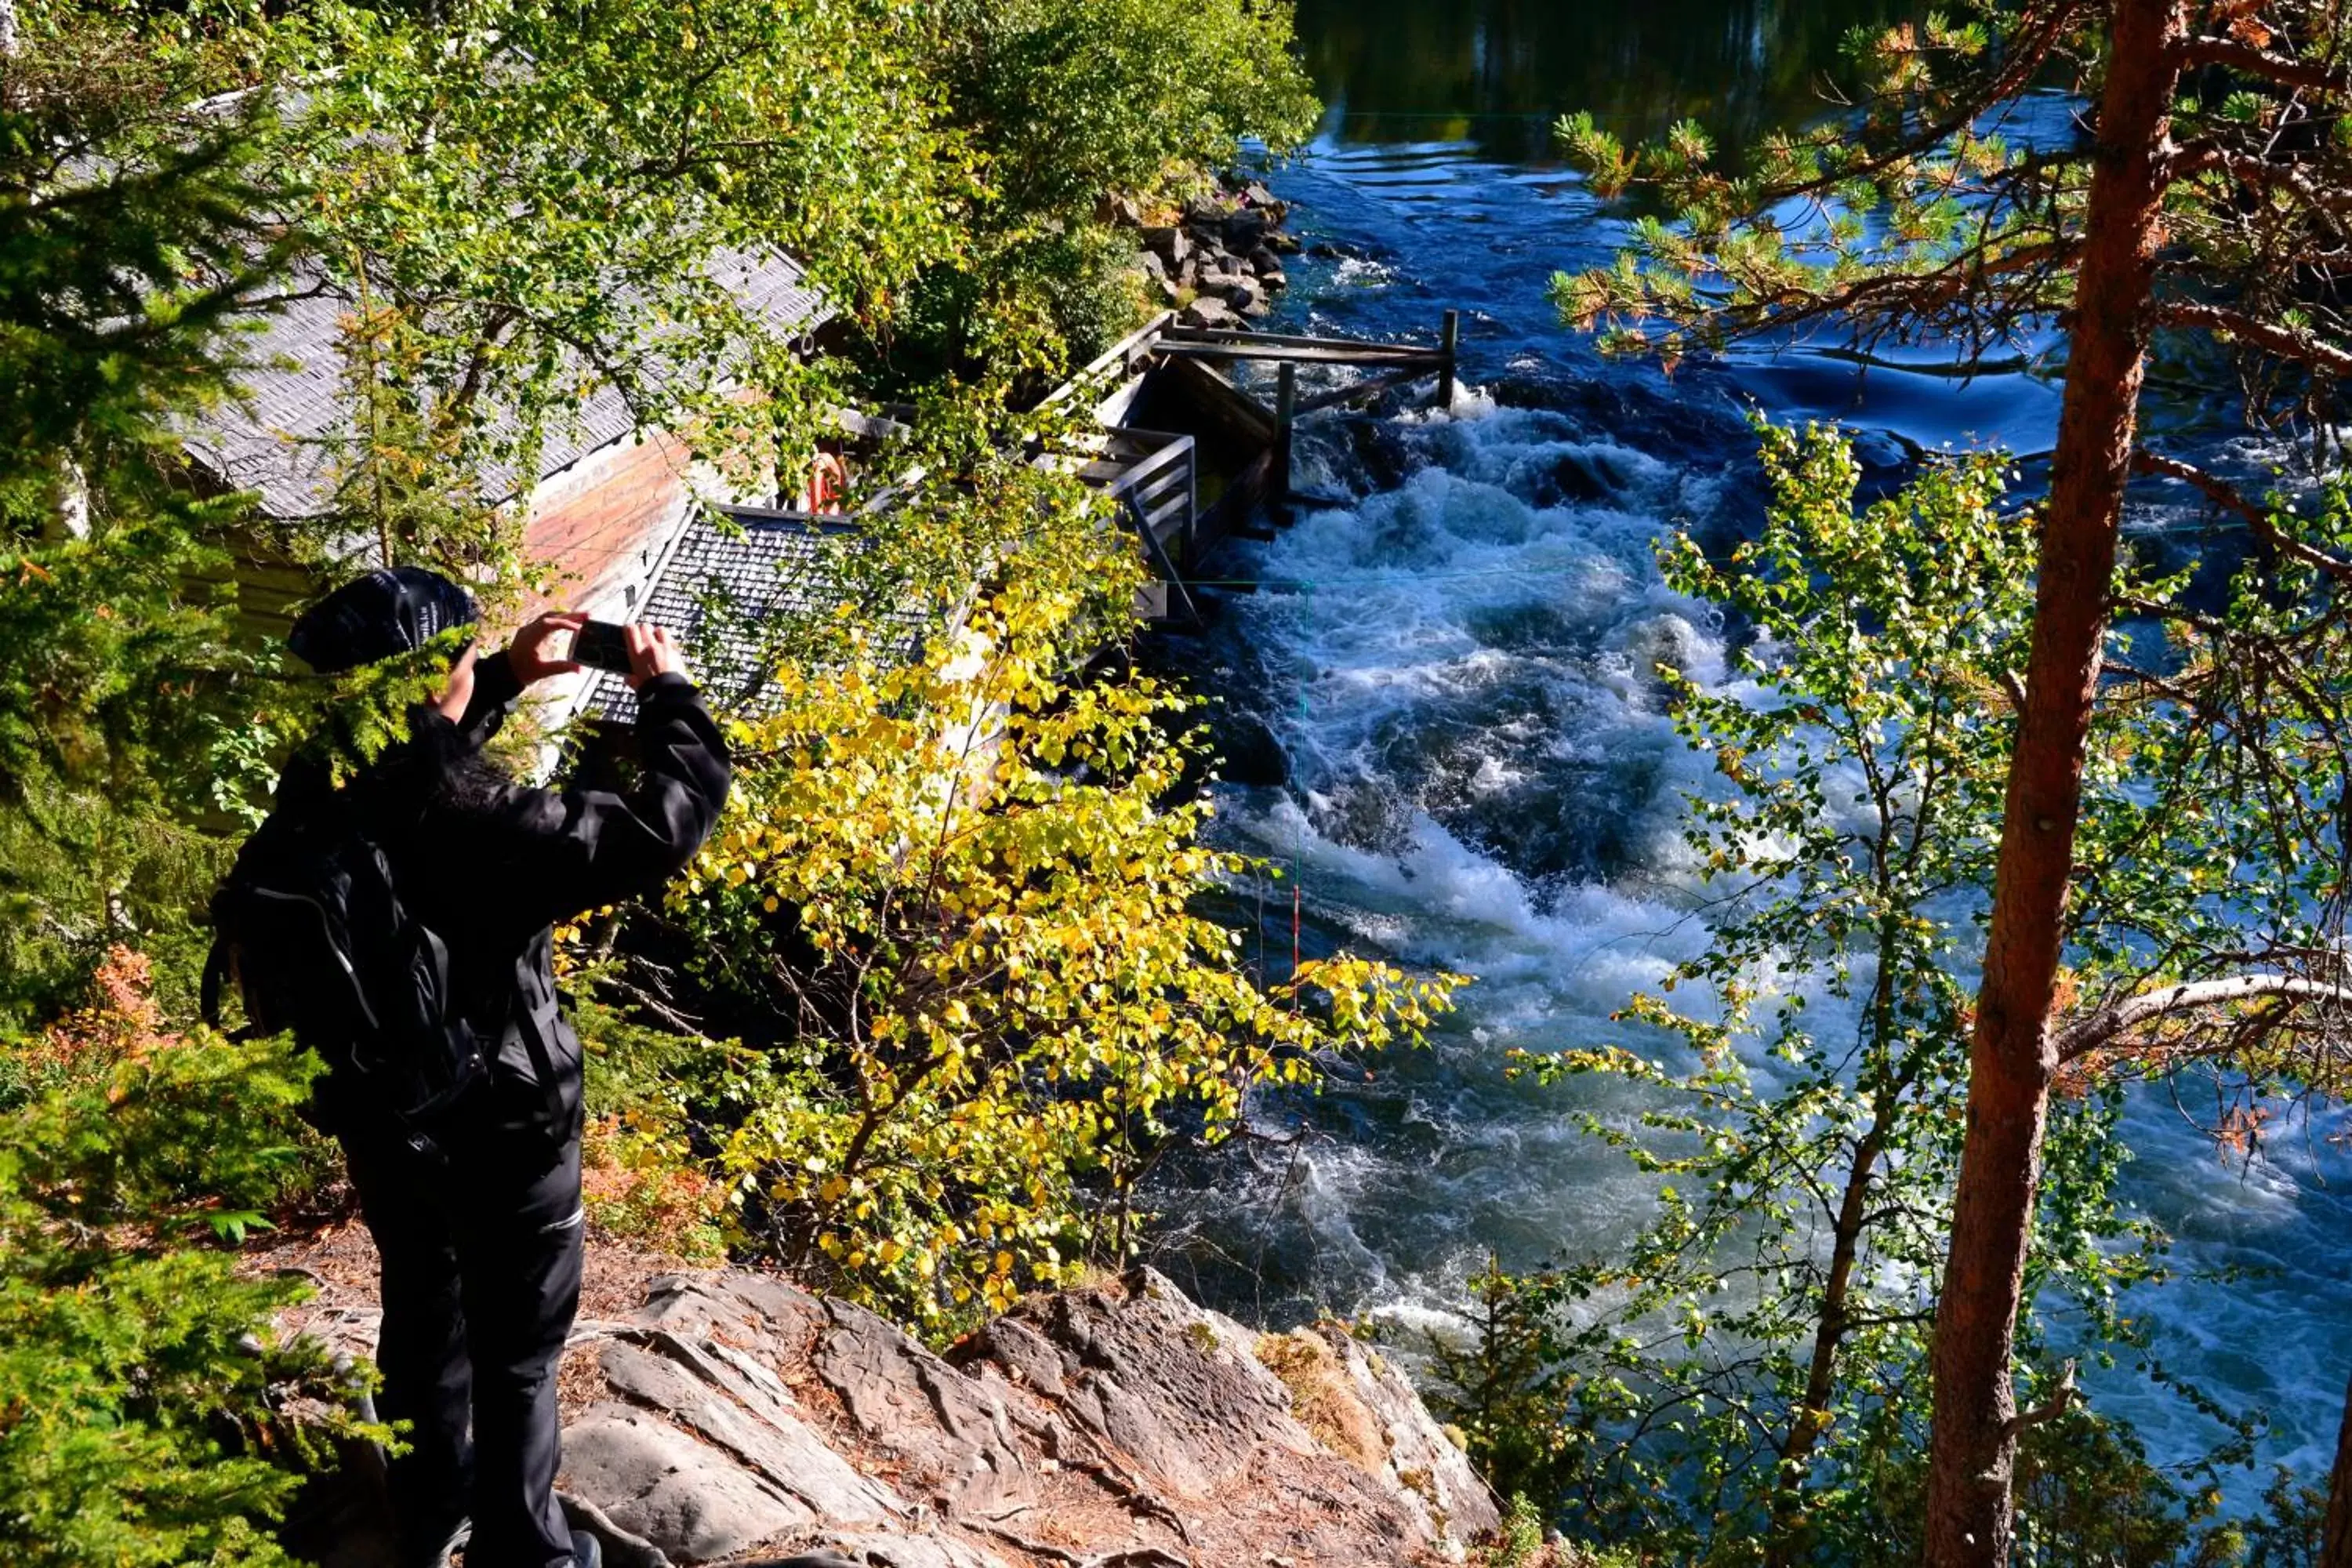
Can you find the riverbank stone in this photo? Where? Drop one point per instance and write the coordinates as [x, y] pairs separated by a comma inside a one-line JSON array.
[[1244, 231], [1208, 310], [1172, 243], [1249, 753]]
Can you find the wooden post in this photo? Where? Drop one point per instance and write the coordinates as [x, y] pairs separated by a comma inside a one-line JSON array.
[[1453, 340], [1192, 509], [1286, 412]]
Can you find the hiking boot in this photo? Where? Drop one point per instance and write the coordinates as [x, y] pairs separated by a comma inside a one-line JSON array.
[[587, 1551], [450, 1539]]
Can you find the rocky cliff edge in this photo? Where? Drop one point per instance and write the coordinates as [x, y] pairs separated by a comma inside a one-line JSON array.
[[731, 1417]]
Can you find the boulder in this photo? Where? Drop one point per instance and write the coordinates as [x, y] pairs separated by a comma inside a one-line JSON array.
[[1242, 295], [1172, 245], [1245, 230], [1207, 211], [1263, 260], [1148, 262], [693, 1503], [1249, 753], [1118, 210], [1207, 310], [1283, 244]]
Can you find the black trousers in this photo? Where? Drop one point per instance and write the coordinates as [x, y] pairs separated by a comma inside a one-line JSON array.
[[481, 1279]]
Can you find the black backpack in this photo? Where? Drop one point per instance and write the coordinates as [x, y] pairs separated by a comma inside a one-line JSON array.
[[310, 925]]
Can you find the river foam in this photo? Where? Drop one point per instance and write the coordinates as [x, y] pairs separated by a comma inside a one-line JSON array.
[[1461, 673], [1457, 664]]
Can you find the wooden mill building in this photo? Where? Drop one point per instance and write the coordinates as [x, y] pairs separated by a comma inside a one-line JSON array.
[[634, 528], [607, 500]]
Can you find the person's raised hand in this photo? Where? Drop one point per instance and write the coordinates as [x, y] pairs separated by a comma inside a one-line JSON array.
[[533, 651], [652, 651]]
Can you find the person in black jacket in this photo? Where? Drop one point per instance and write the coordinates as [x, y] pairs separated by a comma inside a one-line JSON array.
[[478, 1225]]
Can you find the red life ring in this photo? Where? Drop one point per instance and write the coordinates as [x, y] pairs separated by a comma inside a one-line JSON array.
[[828, 483]]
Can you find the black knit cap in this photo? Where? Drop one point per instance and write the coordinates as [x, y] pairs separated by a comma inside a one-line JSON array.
[[384, 613]]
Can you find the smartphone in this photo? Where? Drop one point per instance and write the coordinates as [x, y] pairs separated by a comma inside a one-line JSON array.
[[599, 645]]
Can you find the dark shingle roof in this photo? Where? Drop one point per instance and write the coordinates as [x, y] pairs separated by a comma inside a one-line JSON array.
[[281, 443], [733, 579]]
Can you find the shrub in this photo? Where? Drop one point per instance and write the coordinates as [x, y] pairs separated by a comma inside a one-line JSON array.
[[962, 887], [144, 1395]]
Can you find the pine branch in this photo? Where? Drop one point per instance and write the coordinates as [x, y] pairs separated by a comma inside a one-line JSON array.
[[1893, 301], [2267, 65], [2252, 170], [2023, 59], [2285, 342], [2231, 498]]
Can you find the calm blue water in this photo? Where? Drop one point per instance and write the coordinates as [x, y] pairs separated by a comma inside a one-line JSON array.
[[1482, 775]]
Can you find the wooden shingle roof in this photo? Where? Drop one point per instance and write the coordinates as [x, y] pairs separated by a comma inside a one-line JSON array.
[[733, 580], [282, 441]]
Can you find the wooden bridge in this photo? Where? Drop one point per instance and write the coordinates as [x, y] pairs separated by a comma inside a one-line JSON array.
[[1191, 457]]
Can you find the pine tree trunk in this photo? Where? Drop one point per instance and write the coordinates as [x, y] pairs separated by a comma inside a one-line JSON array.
[[2336, 1551], [2011, 1059]]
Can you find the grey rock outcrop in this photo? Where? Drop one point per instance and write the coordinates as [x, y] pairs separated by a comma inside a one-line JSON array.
[[1208, 310], [735, 1418], [1116, 1424], [1172, 243]]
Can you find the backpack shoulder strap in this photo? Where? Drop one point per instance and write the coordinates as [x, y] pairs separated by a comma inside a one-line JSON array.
[[218, 965], [208, 994]]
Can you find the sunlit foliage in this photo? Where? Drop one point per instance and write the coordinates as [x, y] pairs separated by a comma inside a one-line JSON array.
[[968, 885]]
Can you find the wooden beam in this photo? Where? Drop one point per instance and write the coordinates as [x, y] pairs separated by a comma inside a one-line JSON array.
[[1192, 509], [1166, 568], [1122, 354], [1301, 353], [1293, 340], [1285, 415], [1451, 344], [1364, 388], [1219, 400]]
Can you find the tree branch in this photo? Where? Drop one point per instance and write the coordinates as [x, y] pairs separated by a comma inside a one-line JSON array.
[[2049, 1409], [2101, 1029], [2285, 342], [2269, 66], [2230, 498], [2021, 59], [2259, 172]]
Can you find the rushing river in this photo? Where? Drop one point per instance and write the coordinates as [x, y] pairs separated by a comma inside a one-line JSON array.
[[1481, 775]]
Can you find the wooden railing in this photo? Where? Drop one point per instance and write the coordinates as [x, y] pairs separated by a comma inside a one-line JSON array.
[[1164, 489]]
